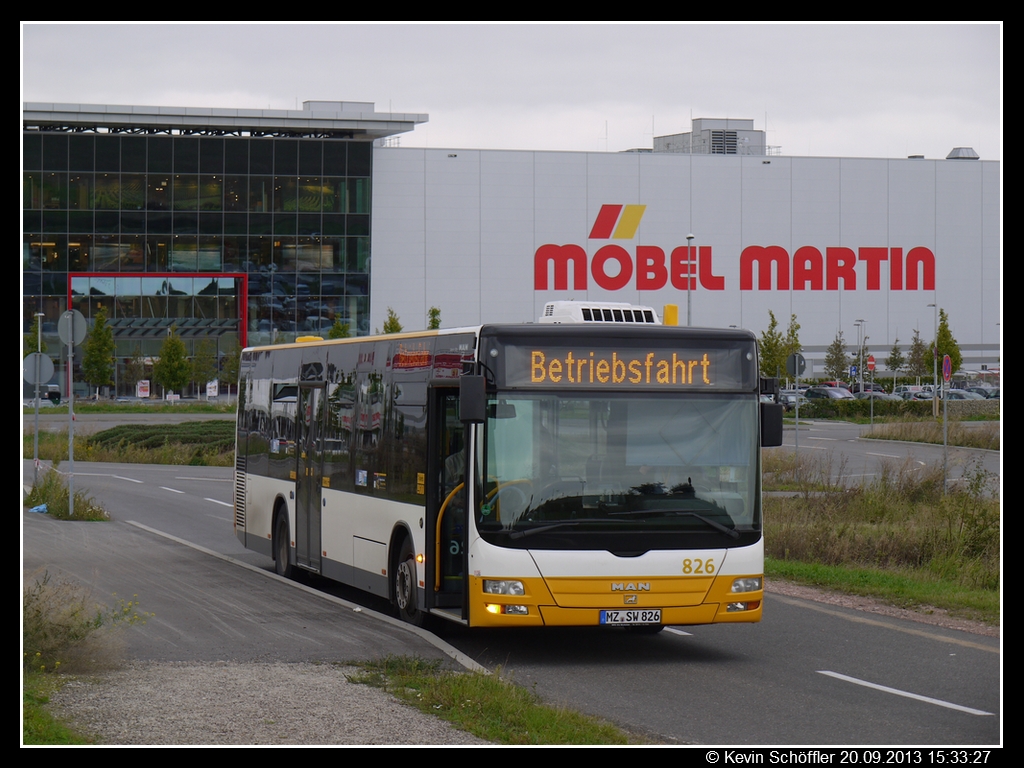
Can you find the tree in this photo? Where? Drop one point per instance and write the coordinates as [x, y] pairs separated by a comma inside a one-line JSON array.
[[391, 324], [918, 357], [433, 318], [792, 343], [772, 349], [895, 361], [204, 363], [945, 344], [33, 340], [134, 369], [339, 330], [98, 353], [836, 362], [231, 363], [173, 370]]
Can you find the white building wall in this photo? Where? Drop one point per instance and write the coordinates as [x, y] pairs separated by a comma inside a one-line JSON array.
[[459, 229]]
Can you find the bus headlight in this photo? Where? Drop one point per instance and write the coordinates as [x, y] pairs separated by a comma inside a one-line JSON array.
[[749, 584], [507, 610], [503, 587]]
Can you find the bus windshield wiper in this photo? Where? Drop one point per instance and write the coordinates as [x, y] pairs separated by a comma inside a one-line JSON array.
[[731, 532], [542, 528]]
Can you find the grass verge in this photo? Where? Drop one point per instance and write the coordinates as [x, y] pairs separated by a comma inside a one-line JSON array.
[[149, 406], [484, 705], [63, 630], [900, 537], [982, 436], [52, 491], [908, 589], [39, 726]]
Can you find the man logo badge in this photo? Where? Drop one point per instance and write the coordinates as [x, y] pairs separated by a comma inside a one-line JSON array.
[[640, 586]]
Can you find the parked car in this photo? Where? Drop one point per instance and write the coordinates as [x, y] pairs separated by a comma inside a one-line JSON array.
[[828, 393], [876, 396], [988, 393], [790, 397], [916, 394], [963, 394]]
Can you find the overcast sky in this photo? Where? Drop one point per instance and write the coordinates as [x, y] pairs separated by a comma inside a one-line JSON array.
[[842, 90]]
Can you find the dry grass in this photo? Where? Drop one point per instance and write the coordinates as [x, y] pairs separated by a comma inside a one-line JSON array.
[[901, 520], [65, 630], [52, 490], [977, 435]]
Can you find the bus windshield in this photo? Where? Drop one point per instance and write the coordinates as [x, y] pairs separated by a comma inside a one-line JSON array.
[[569, 468]]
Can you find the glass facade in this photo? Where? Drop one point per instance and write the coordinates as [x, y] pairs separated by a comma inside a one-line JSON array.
[[243, 239]]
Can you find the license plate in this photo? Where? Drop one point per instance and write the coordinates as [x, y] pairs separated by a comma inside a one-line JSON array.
[[631, 617]]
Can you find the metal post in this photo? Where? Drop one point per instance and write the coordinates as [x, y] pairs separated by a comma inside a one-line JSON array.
[[691, 261], [71, 417], [935, 359], [35, 439]]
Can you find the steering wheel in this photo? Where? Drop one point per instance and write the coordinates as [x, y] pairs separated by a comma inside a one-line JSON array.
[[515, 495]]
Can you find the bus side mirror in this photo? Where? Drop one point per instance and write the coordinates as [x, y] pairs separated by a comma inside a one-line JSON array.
[[771, 425], [473, 399]]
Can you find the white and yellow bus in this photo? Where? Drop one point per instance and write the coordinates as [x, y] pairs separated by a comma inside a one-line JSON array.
[[599, 468]]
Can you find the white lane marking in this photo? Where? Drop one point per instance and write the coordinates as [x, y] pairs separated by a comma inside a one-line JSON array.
[[222, 503], [104, 474], [208, 479], [907, 694], [675, 631], [172, 490], [832, 439], [885, 455]]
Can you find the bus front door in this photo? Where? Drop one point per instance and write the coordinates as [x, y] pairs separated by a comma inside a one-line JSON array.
[[447, 502], [308, 476]]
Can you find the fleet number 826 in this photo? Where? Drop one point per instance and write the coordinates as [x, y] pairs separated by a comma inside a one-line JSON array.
[[698, 567]]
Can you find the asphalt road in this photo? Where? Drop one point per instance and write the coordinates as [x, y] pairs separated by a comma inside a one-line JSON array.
[[807, 674]]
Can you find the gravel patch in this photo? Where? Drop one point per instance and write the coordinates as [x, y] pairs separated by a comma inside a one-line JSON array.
[[243, 703]]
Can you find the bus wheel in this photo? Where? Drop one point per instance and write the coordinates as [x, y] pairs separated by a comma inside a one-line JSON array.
[[281, 565], [405, 586]]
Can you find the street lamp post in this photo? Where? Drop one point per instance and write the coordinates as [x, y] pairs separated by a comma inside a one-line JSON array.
[[935, 359], [691, 260], [861, 325]]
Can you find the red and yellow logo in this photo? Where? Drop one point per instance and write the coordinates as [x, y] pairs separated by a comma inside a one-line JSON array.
[[617, 222]]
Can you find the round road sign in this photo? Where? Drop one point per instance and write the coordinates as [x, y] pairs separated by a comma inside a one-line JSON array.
[[796, 364]]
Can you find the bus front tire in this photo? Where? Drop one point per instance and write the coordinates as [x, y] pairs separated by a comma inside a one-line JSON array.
[[281, 548], [405, 587]]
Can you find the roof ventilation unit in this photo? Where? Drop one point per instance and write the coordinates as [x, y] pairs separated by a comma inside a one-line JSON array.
[[603, 312]]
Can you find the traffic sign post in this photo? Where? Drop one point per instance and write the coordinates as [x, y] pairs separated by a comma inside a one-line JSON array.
[[72, 329], [796, 364], [871, 393], [947, 374]]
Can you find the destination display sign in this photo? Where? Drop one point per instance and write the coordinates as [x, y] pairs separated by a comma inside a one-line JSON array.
[[571, 367]]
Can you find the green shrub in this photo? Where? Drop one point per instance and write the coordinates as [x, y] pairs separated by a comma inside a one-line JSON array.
[[52, 490], [900, 520], [61, 628]]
